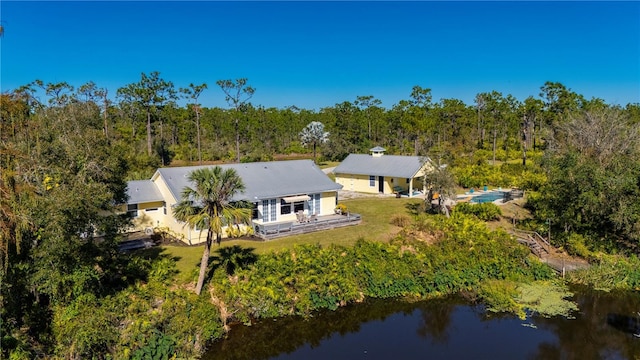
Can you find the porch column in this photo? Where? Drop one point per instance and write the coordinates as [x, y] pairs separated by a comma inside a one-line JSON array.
[[411, 187]]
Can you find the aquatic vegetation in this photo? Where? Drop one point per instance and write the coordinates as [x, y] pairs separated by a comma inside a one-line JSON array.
[[547, 298]]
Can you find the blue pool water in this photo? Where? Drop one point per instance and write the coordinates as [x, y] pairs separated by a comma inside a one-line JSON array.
[[487, 197]]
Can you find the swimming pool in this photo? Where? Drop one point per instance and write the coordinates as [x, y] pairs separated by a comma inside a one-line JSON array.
[[487, 197]]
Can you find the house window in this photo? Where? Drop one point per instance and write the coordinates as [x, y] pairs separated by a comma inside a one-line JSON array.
[[298, 206], [152, 209], [265, 210], [372, 181], [132, 209], [408, 180], [254, 211], [285, 207], [314, 206], [272, 211]]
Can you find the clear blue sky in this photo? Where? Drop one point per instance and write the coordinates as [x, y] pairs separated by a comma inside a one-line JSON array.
[[318, 54]]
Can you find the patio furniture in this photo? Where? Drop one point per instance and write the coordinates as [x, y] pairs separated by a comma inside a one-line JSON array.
[[301, 216]]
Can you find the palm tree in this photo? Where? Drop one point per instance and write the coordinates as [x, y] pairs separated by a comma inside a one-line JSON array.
[[209, 206]]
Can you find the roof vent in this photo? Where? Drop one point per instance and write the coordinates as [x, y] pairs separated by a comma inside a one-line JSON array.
[[377, 151]]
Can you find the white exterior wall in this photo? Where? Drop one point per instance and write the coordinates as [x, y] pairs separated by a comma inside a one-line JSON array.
[[327, 205]]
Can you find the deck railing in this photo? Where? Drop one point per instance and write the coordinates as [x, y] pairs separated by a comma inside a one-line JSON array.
[[277, 230], [533, 236]]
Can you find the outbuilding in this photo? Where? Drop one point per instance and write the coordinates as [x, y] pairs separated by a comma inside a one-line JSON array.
[[383, 174]]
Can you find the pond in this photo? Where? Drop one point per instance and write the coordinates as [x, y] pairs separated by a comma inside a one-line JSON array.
[[443, 329]]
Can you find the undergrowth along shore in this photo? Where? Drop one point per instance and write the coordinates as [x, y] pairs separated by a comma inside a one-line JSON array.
[[433, 256]]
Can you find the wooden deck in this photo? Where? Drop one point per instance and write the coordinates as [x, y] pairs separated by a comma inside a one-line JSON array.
[[272, 231], [540, 247]]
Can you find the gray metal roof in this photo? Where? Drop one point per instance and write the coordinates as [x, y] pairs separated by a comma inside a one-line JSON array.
[[262, 180], [377, 149], [385, 165], [141, 191]]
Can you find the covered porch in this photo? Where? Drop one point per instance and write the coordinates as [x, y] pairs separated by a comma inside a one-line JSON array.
[[276, 230]]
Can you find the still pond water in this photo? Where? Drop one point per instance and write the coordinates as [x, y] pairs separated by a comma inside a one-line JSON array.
[[603, 328]]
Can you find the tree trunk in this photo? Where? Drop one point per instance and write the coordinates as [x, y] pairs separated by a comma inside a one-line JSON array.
[[198, 129], [106, 127], [204, 263], [495, 136], [314, 152], [237, 142], [525, 138], [148, 132]]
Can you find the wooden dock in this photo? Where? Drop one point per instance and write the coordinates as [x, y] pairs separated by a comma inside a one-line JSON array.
[[540, 247]]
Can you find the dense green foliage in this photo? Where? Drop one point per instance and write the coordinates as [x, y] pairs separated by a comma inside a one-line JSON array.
[[594, 181], [506, 175], [147, 318], [609, 272], [485, 211]]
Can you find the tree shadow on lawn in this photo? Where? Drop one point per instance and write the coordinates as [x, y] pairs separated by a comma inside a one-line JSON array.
[[130, 271], [231, 258]]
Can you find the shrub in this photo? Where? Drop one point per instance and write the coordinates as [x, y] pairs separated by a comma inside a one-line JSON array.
[[400, 220], [159, 346], [484, 211], [576, 245]]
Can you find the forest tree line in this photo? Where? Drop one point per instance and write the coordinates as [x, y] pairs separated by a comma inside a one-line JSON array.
[[146, 120]]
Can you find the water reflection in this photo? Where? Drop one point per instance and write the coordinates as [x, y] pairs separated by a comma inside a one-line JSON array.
[[628, 324], [439, 329]]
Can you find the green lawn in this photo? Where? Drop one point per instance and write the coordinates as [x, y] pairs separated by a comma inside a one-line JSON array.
[[376, 215]]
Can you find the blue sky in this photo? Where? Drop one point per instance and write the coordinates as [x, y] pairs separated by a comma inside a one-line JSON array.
[[318, 54]]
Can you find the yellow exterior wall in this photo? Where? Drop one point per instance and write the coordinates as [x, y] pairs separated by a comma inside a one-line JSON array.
[[328, 203], [147, 216], [192, 236], [359, 183], [168, 223]]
